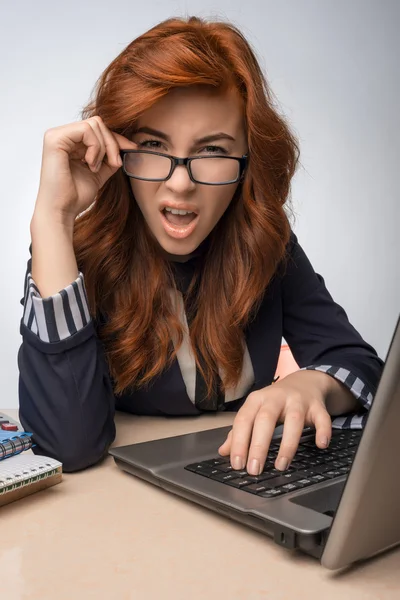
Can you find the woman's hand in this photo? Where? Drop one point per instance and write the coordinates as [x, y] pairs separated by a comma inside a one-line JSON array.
[[297, 400], [77, 160]]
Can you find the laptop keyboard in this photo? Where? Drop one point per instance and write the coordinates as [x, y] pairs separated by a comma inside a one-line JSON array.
[[310, 465]]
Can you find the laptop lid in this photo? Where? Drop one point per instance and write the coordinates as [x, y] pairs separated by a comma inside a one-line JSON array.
[[367, 520]]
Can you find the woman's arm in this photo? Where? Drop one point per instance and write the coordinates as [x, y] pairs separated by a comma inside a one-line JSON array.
[[321, 338], [65, 393]]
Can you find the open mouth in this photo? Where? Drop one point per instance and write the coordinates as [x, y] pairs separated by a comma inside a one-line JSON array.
[[178, 219], [179, 226]]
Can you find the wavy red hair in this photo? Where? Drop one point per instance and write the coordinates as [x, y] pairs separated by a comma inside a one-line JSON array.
[[126, 276]]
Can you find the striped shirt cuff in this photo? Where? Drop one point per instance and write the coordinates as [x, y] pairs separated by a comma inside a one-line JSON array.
[[59, 316], [359, 390]]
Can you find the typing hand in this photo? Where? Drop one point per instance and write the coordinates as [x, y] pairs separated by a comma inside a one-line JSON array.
[[297, 400]]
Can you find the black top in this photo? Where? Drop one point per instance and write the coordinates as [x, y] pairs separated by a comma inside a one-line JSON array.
[[66, 394]]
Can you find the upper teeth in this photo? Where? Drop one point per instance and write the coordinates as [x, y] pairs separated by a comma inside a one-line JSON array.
[[178, 212]]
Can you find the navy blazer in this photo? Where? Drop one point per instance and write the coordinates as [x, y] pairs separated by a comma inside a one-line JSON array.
[[66, 393]]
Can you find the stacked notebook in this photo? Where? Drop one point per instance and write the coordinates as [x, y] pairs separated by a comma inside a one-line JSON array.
[[22, 473], [11, 444]]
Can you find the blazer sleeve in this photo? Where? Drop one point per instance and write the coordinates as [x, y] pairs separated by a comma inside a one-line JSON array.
[[66, 396], [321, 337]]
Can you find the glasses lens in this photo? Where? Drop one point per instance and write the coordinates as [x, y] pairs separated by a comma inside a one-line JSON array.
[[147, 166], [215, 169]]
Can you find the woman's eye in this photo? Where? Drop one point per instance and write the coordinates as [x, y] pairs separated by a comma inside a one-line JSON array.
[[149, 142], [215, 149]]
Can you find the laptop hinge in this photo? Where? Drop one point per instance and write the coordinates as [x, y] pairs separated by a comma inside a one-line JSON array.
[[285, 537]]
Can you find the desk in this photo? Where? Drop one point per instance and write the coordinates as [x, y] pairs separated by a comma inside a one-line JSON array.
[[104, 534]]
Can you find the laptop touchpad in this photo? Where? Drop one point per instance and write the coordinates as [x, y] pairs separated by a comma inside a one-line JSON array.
[[324, 500]]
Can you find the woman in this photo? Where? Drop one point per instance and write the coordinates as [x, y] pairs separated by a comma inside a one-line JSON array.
[[161, 286]]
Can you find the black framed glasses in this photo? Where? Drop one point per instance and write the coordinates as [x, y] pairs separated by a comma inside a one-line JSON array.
[[148, 165]]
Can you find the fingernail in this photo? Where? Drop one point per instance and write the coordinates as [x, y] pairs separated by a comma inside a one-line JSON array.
[[324, 441], [238, 463], [119, 160], [99, 165], [282, 463], [254, 467]]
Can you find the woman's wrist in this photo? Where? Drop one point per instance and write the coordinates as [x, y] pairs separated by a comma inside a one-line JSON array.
[[44, 219]]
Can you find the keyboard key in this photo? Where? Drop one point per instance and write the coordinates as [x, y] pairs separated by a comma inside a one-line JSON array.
[[261, 477], [333, 474], [215, 461], [196, 467], [269, 465], [278, 472], [207, 471], [273, 454], [270, 474], [304, 454], [298, 466], [314, 462], [225, 468], [273, 493], [318, 478], [255, 488], [336, 464], [315, 470], [283, 479], [345, 444], [239, 482], [344, 469], [302, 483], [289, 487], [274, 446], [223, 477]]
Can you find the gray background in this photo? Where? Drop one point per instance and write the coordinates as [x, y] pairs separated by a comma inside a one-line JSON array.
[[333, 66]]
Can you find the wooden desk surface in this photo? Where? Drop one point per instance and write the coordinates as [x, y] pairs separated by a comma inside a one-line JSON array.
[[104, 534]]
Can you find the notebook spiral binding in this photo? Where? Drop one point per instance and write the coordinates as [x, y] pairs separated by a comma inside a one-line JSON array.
[[15, 445]]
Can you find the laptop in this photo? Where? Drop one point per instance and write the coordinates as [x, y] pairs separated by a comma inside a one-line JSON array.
[[339, 505]]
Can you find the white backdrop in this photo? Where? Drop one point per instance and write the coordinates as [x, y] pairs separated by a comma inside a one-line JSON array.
[[333, 66]]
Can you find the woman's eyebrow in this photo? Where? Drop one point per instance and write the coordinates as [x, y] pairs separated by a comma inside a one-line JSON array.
[[208, 138]]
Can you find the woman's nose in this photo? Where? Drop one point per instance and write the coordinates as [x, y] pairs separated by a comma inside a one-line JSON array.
[[180, 179]]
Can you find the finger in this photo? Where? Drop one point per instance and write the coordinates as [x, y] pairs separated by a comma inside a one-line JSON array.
[[112, 148], [225, 448], [97, 158], [79, 140], [292, 431], [124, 143], [242, 429], [323, 426], [263, 430]]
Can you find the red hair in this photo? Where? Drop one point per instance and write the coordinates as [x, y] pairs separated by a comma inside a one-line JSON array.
[[126, 276]]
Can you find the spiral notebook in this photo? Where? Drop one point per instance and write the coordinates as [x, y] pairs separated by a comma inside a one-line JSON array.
[[25, 474], [14, 444]]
